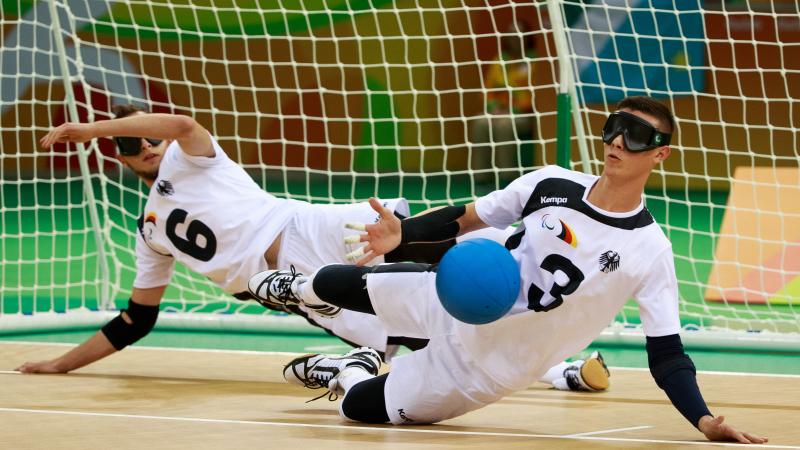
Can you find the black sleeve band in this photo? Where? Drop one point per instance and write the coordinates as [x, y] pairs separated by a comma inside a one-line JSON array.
[[420, 252], [435, 226], [426, 238], [674, 372], [122, 334]]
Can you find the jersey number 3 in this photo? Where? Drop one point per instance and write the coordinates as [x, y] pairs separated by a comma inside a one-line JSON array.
[[195, 229], [553, 263]]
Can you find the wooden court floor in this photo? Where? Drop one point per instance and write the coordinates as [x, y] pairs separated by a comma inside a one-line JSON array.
[[146, 398]]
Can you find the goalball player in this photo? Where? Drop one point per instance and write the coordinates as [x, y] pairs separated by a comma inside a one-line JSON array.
[[586, 245], [205, 211]]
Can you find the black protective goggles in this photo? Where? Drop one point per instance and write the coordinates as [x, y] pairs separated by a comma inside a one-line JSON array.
[[132, 146], [639, 135]]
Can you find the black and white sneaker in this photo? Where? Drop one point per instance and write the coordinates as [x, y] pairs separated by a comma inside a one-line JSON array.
[[277, 289], [590, 374], [321, 371]]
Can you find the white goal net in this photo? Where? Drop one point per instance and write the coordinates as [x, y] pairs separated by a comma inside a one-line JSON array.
[[437, 101]]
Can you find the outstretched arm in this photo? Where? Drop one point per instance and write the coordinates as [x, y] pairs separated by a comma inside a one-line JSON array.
[[100, 344], [674, 372], [192, 137], [437, 225]]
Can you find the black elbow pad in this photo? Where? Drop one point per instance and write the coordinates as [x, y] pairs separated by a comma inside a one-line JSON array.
[[122, 334], [665, 356]]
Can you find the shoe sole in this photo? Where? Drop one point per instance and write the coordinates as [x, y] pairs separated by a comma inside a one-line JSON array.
[[595, 375]]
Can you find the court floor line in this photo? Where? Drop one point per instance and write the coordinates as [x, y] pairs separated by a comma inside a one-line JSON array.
[[290, 354], [378, 429], [718, 372], [613, 430]]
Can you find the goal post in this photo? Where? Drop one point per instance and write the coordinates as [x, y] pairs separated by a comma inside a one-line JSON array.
[[437, 101]]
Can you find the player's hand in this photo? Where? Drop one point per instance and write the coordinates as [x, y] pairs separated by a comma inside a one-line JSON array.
[[716, 430], [49, 366], [67, 132], [381, 237]]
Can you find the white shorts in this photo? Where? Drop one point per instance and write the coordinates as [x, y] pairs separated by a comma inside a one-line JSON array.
[[315, 237], [440, 381]]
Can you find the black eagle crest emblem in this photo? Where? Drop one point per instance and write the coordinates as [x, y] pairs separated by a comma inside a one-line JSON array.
[[609, 261], [165, 188]]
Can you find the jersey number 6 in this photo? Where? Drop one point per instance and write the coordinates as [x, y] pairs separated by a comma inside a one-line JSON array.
[[552, 263], [195, 228]]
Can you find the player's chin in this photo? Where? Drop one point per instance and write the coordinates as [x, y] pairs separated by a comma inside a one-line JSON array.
[[151, 163], [148, 173], [613, 166]]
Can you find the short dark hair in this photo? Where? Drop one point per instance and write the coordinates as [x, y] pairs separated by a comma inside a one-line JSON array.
[[121, 111], [648, 105]]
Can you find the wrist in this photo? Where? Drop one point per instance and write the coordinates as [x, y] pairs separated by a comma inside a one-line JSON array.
[[703, 422], [61, 366], [100, 129], [434, 226]]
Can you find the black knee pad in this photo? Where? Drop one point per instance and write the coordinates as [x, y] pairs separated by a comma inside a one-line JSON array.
[[365, 402], [344, 286]]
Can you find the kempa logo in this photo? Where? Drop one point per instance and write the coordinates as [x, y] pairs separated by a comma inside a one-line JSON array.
[[556, 200], [404, 416]]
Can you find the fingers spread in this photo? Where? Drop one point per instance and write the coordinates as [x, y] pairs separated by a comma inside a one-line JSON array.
[[740, 437], [375, 204], [358, 226], [369, 257], [356, 254], [755, 439], [46, 141], [355, 238]]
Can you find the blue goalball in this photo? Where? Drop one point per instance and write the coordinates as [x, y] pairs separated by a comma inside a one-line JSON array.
[[477, 281]]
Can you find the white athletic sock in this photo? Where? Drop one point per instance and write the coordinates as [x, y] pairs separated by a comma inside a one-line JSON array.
[[555, 372], [351, 376], [306, 292]]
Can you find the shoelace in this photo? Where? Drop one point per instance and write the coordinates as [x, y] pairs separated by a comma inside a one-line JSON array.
[[332, 396], [312, 381], [571, 376], [283, 286], [322, 380]]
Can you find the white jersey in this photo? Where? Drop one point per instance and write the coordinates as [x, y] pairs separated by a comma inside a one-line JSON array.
[[211, 216], [578, 265]]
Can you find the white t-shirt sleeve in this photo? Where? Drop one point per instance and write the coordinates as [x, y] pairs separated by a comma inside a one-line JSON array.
[[502, 208], [657, 297], [184, 158], [152, 269]]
